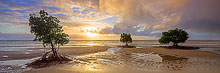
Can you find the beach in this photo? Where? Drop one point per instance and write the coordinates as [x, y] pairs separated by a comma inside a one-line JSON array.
[[12, 55], [109, 36], [16, 60], [107, 57], [140, 60]]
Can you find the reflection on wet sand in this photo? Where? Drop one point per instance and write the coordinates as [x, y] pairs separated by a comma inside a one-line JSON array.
[[118, 60], [112, 60]]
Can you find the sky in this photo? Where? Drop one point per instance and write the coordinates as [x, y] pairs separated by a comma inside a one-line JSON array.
[[107, 19]]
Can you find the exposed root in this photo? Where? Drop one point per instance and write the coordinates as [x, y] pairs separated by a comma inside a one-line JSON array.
[[128, 46], [49, 59], [181, 47]]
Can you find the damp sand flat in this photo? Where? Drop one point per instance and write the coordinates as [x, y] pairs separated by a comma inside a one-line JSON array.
[[36, 52], [13, 62], [139, 60], [176, 52]]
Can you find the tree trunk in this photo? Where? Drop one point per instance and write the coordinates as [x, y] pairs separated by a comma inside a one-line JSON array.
[[55, 54], [58, 47], [55, 57], [126, 45], [175, 44]]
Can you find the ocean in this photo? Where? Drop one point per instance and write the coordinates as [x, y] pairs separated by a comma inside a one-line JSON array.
[[25, 45], [21, 45]]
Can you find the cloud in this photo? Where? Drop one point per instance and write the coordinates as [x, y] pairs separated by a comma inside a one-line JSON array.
[[14, 36], [139, 17], [157, 16], [201, 16], [67, 5], [15, 13], [145, 13]]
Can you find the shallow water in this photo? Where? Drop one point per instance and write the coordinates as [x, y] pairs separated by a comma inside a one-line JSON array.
[[21, 45], [214, 50], [112, 60], [15, 66]]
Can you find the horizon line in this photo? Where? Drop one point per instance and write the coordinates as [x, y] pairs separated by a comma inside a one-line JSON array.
[[111, 40]]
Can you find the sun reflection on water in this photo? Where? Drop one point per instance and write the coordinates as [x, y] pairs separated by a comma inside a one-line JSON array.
[[91, 44], [93, 67]]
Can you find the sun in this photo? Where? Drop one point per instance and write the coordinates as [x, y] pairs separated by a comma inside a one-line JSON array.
[[89, 34]]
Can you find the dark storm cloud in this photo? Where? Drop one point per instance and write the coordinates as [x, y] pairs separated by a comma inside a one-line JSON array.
[[201, 16]]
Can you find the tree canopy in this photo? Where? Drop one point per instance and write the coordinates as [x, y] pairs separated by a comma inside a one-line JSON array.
[[126, 38], [47, 29], [175, 36]]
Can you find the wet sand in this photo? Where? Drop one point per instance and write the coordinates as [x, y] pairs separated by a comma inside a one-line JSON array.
[[174, 52], [37, 52], [15, 62], [16, 55], [82, 50], [130, 60]]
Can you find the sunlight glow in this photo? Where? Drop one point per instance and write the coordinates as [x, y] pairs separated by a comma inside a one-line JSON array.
[[90, 29], [91, 44], [89, 34], [91, 67]]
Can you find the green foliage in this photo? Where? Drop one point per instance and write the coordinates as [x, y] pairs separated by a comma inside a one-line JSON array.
[[46, 29], [175, 36], [126, 38]]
